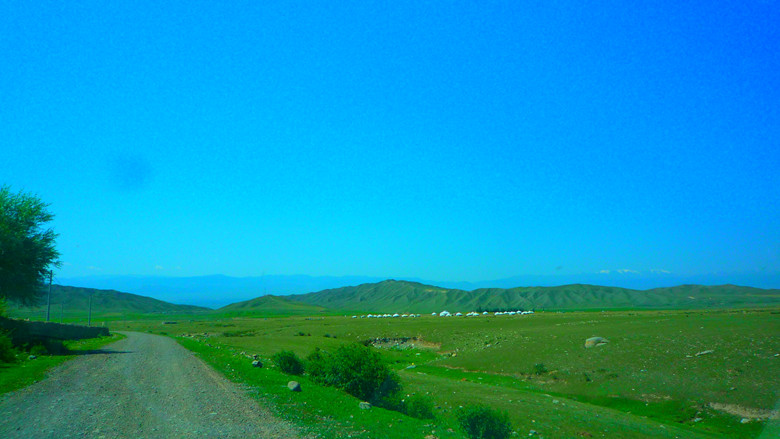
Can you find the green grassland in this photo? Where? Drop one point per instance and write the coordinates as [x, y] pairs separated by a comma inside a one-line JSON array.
[[27, 371], [648, 381]]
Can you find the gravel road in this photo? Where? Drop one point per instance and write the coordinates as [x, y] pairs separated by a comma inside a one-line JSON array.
[[145, 386]]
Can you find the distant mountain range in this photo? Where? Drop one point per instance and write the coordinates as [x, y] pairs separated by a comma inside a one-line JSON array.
[[393, 296], [218, 290], [402, 296]]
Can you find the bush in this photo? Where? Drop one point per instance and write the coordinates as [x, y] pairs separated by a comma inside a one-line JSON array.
[[482, 422], [288, 362], [540, 369], [38, 349], [357, 370], [7, 351], [419, 406]]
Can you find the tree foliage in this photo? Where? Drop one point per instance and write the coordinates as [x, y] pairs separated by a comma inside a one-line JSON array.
[[27, 250], [7, 351]]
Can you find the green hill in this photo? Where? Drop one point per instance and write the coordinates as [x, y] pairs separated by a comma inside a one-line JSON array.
[[73, 302], [272, 305], [401, 296]]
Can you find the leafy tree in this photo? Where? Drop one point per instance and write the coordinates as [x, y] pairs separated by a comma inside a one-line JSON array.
[[7, 351], [26, 247]]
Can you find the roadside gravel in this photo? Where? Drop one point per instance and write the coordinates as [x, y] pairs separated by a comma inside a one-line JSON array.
[[145, 386]]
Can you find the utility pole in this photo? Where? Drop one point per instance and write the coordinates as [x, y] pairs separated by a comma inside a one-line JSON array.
[[48, 299], [89, 319]]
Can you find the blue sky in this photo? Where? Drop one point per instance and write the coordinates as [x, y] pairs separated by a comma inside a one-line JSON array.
[[441, 140]]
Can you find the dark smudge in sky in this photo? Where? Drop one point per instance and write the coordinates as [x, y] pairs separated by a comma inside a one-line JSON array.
[[131, 172]]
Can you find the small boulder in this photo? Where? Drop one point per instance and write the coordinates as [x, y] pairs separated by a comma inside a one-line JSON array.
[[32, 357], [257, 363], [595, 341], [364, 405], [295, 386]]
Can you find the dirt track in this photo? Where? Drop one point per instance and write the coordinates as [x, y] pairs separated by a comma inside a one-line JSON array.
[[144, 386]]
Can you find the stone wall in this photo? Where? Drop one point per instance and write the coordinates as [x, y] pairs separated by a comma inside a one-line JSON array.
[[22, 331]]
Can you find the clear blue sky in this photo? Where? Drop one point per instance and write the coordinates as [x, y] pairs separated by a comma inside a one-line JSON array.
[[442, 140]]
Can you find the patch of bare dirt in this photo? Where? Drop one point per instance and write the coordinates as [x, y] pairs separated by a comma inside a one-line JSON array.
[[401, 343], [652, 397], [745, 412]]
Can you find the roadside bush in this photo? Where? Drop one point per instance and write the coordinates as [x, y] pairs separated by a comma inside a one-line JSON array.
[[315, 365], [419, 406], [540, 369], [7, 351], [482, 422], [288, 362], [356, 369], [38, 349]]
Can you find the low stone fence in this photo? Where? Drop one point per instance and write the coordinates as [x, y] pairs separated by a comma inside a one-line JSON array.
[[22, 331]]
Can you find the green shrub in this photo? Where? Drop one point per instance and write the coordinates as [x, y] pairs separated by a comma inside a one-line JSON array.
[[38, 349], [288, 362], [419, 406], [540, 369], [55, 347], [7, 351], [482, 422], [356, 369], [316, 365]]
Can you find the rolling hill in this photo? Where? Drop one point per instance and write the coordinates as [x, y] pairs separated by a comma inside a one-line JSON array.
[[215, 291], [272, 305], [74, 301], [401, 296]]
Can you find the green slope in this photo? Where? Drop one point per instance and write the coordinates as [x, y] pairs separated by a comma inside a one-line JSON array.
[[401, 296], [385, 296], [74, 301], [272, 305]]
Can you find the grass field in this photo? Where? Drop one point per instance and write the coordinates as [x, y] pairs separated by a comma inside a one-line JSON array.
[[648, 381], [26, 371]]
